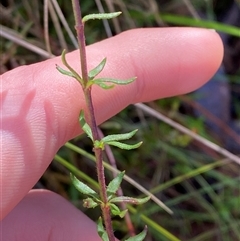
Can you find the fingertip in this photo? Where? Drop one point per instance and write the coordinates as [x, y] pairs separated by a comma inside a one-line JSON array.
[[182, 60], [200, 54]]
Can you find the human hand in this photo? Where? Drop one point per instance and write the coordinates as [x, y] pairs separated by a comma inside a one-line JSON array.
[[40, 108]]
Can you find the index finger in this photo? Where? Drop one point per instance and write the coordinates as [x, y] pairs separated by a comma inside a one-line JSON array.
[[40, 107]]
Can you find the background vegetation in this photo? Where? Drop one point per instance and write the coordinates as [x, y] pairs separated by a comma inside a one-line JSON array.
[[198, 184]]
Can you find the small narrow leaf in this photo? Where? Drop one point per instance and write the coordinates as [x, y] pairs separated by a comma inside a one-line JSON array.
[[114, 185], [140, 237], [124, 146], [114, 81], [94, 72], [101, 231], [86, 128], [116, 211], [89, 203], [100, 16], [75, 74], [135, 201], [119, 137], [123, 213], [65, 72], [104, 86], [81, 187]]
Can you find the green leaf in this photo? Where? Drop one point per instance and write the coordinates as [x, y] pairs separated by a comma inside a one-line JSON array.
[[123, 145], [113, 140], [114, 185], [100, 16], [104, 86], [139, 237], [74, 73], [114, 81], [119, 137], [89, 203], [65, 72], [116, 211], [102, 82], [94, 72], [101, 231], [124, 199], [86, 128], [81, 187]]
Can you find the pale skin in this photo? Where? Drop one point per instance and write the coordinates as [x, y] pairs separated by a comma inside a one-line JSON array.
[[40, 108]]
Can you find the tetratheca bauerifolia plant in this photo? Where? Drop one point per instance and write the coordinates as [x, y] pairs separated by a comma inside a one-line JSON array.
[[106, 198]]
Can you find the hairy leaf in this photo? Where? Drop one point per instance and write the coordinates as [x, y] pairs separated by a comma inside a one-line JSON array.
[[94, 72], [86, 128], [75, 74], [123, 145], [101, 231], [81, 187], [65, 72], [114, 81], [139, 237], [114, 185], [116, 211], [119, 137], [135, 201], [103, 85], [100, 16]]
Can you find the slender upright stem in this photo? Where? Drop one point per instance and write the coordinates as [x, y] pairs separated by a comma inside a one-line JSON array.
[[81, 38], [91, 120]]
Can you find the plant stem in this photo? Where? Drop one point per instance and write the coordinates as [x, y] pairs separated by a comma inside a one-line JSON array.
[[81, 38], [92, 121], [100, 168]]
